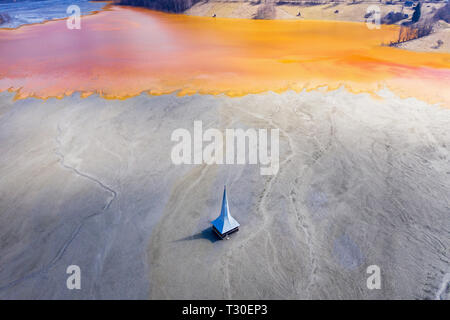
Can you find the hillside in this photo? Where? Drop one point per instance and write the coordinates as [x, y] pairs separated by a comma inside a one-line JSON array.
[[324, 10]]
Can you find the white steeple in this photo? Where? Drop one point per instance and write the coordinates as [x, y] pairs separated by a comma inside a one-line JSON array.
[[225, 222]]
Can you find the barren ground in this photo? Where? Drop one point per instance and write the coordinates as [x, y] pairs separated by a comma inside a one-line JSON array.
[[90, 182]]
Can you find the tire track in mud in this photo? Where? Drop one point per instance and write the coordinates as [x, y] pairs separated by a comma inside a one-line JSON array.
[[262, 202], [177, 197], [443, 288], [302, 218], [75, 233], [306, 230]]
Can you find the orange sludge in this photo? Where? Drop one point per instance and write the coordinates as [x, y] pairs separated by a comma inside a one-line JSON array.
[[121, 52]]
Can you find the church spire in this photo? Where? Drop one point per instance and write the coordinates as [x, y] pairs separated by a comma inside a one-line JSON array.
[[225, 223]]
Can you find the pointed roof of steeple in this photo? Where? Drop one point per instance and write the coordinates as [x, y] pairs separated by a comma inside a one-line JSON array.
[[225, 222]]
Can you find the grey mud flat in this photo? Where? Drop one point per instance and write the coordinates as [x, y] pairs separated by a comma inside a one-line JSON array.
[[90, 182]]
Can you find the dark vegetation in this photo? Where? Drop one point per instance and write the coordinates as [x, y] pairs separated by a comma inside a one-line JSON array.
[[369, 14], [393, 17], [265, 11], [439, 43], [162, 5], [417, 27], [413, 31], [416, 13], [354, 2], [443, 13]]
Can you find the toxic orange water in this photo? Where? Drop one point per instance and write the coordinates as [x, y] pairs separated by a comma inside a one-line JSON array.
[[122, 52]]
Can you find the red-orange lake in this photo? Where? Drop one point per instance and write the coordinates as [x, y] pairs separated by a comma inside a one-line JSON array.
[[122, 51]]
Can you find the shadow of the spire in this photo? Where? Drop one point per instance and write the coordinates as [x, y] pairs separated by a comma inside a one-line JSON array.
[[207, 234]]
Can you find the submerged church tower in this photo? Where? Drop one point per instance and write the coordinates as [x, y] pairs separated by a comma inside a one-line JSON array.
[[225, 224]]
